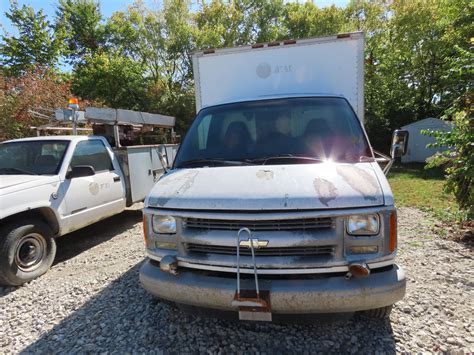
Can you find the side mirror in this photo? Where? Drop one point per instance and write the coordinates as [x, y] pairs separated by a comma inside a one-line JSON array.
[[80, 171], [399, 144]]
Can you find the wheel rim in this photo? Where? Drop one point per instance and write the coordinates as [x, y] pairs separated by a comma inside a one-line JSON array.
[[30, 252]]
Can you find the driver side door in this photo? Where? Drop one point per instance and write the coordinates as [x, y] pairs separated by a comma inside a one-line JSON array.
[[92, 198]]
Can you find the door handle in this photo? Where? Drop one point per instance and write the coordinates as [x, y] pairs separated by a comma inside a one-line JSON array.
[[116, 178]]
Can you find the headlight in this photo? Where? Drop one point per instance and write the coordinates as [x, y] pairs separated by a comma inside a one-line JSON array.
[[364, 224], [164, 224]]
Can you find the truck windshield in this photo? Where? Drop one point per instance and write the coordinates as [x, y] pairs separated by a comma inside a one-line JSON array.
[[32, 157], [281, 131]]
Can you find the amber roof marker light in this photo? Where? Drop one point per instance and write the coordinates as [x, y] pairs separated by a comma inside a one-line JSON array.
[[344, 35]]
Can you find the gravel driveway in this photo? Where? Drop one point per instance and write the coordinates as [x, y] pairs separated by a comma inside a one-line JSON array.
[[91, 301]]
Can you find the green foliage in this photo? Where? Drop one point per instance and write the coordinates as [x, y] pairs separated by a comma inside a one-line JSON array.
[[226, 24], [80, 20], [220, 25], [37, 42], [458, 159], [307, 20], [407, 63], [114, 80], [160, 43]]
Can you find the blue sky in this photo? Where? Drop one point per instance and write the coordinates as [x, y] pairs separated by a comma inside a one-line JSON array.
[[108, 7]]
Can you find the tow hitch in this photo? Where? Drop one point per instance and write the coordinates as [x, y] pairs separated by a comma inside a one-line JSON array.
[[252, 304]]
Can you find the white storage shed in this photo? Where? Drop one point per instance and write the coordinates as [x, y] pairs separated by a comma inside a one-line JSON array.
[[417, 142]]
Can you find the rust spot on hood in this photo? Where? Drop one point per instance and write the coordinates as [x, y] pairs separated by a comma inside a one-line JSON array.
[[360, 180], [325, 189], [265, 174]]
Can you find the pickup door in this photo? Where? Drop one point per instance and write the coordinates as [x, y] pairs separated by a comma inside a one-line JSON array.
[[92, 198]]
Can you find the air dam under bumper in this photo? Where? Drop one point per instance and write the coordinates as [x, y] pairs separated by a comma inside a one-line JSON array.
[[320, 295]]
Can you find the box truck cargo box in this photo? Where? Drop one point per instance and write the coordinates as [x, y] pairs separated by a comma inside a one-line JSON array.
[[329, 65]]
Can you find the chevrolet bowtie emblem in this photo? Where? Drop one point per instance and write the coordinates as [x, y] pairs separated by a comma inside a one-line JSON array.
[[255, 242]]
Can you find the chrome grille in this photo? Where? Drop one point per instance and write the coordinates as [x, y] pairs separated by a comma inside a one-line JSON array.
[[326, 250], [305, 224]]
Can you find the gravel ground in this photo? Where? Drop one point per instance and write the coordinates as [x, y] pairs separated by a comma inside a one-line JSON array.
[[91, 301]]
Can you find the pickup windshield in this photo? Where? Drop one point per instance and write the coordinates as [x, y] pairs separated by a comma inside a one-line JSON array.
[[32, 157], [281, 131]]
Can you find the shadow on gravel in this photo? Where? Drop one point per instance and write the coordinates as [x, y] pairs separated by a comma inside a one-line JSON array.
[[124, 318], [81, 240], [457, 249], [5, 290]]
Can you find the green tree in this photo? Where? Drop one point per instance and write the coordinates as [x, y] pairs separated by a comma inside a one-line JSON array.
[[380, 78], [458, 159], [81, 21], [160, 43], [220, 24], [160, 40], [37, 42], [112, 79], [307, 20], [226, 24], [408, 50], [263, 18]]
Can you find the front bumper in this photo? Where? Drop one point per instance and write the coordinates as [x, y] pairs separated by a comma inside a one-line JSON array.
[[323, 294]]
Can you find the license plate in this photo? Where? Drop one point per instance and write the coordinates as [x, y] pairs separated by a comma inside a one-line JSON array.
[[252, 307]]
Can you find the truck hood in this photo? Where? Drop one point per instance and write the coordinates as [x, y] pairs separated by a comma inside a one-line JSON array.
[[269, 187], [13, 183]]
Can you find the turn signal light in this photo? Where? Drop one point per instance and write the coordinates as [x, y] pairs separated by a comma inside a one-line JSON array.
[[358, 270], [393, 232], [145, 228]]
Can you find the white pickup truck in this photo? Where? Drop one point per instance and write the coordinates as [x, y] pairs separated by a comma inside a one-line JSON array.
[[276, 202], [50, 186]]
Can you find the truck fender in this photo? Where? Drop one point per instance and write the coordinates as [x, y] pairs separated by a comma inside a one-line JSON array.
[[45, 214]]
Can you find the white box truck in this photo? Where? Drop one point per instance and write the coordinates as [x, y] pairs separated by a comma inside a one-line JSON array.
[[53, 185], [275, 202]]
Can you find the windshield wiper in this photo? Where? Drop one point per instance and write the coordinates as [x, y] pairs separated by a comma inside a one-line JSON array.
[[287, 156], [16, 170], [212, 161]]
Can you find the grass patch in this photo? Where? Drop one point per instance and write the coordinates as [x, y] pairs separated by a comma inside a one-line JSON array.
[[415, 186], [415, 244]]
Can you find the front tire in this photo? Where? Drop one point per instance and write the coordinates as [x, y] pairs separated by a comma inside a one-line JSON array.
[[27, 251], [378, 313]]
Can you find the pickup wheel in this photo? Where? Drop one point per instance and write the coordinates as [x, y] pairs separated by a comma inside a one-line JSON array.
[[27, 250], [378, 313]]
